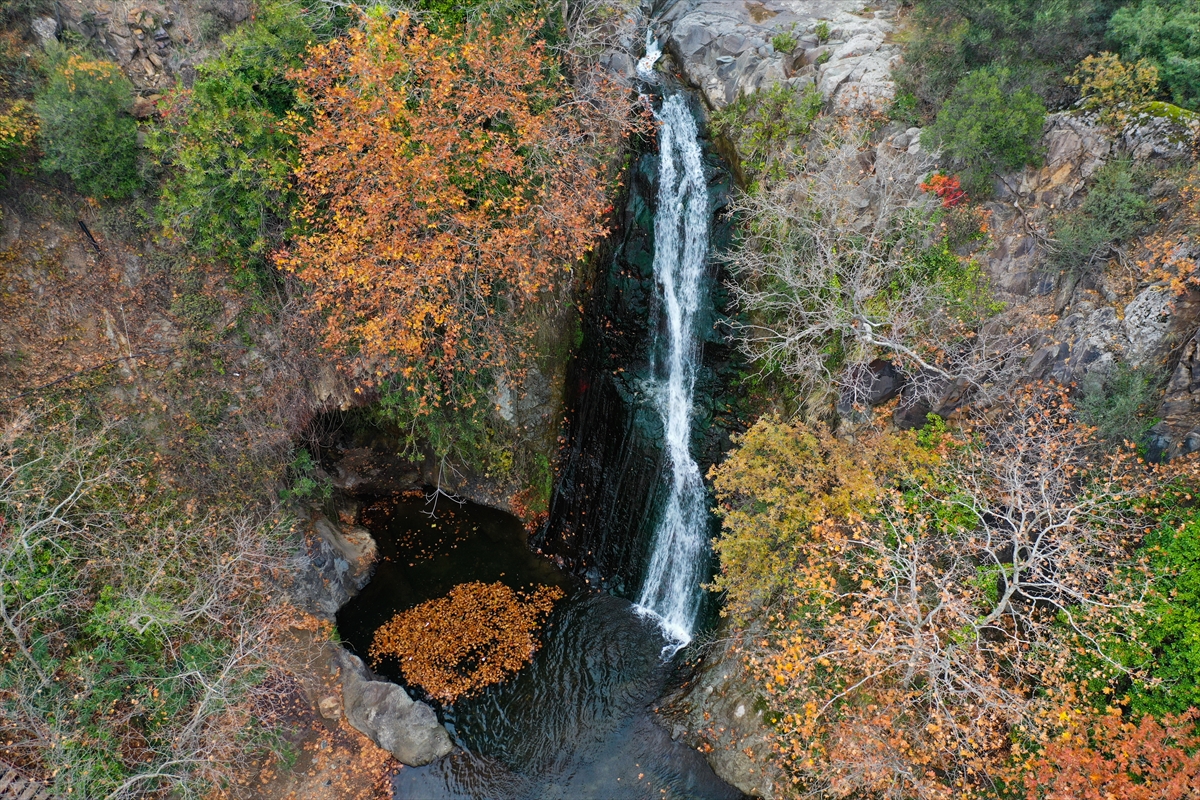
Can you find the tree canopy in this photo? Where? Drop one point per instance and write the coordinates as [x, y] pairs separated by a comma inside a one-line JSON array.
[[445, 189]]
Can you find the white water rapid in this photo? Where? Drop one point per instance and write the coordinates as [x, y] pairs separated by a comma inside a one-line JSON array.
[[671, 591]]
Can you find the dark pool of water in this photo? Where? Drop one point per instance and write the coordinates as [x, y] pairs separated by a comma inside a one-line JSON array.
[[575, 724]]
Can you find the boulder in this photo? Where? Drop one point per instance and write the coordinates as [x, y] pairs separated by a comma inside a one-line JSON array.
[[1178, 431], [881, 383], [406, 728], [145, 107], [45, 29], [718, 712], [231, 12], [340, 562], [727, 48], [1149, 318], [1163, 131], [366, 471]]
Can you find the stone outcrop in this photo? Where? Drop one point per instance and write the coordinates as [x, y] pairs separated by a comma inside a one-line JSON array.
[[340, 559], [406, 728], [718, 713], [341, 556], [1177, 432], [727, 48], [1019, 215]]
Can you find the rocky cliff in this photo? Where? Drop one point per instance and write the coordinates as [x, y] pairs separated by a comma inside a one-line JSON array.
[[1068, 327]]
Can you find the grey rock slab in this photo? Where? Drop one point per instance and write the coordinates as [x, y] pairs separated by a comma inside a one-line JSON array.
[[406, 728], [45, 29], [725, 48]]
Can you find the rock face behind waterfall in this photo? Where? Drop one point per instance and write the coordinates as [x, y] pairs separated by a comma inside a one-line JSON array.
[[727, 48]]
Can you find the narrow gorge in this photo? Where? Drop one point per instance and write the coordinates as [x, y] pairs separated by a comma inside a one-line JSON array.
[[578, 721]]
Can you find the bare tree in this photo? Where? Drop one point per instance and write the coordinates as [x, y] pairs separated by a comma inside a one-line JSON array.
[[832, 274], [110, 589]]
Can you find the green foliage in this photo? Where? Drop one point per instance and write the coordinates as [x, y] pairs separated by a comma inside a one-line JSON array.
[[229, 192], [1172, 621], [822, 31], [1040, 41], [985, 126], [1115, 209], [305, 483], [905, 109], [465, 433], [785, 42], [85, 129], [962, 283], [1119, 404], [1167, 34], [763, 123]]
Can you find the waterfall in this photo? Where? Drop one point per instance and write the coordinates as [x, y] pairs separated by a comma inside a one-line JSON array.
[[672, 587]]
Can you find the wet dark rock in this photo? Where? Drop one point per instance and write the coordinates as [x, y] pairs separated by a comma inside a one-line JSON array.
[[339, 562], [883, 383], [368, 471]]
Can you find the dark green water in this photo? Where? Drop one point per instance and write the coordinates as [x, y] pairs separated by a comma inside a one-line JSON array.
[[577, 723]]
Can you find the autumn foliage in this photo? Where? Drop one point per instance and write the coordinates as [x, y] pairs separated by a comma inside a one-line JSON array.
[[477, 635], [1107, 756], [448, 184], [946, 187], [917, 588]]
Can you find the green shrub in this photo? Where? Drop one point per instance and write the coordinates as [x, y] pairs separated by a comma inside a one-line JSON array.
[[987, 126], [822, 31], [762, 123], [85, 129], [1171, 634], [1167, 34], [1115, 209], [785, 42], [1039, 41], [1118, 404], [905, 109], [306, 484], [229, 193]]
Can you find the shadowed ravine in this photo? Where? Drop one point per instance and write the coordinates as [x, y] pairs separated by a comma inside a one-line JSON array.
[[579, 721]]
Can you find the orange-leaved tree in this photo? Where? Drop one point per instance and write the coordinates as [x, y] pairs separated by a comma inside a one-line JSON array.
[[1102, 756], [448, 186]]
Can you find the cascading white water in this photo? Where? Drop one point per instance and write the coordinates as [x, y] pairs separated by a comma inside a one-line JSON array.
[[671, 591]]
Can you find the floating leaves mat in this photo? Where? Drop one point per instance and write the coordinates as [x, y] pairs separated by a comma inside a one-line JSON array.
[[477, 635]]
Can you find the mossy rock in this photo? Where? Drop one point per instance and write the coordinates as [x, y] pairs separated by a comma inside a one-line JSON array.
[[1180, 125], [1173, 113]]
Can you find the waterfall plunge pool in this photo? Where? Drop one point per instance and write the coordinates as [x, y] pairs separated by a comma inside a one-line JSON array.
[[576, 724]]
